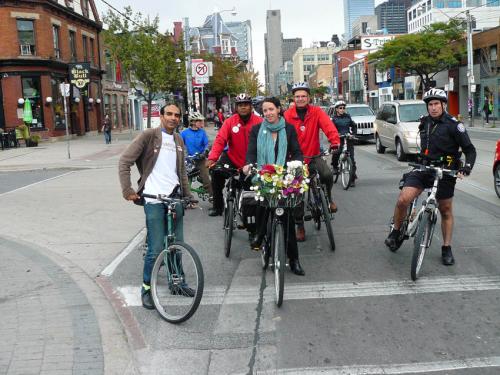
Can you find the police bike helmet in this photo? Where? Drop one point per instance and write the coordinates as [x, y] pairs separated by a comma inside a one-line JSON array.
[[243, 98], [338, 103], [301, 86], [435, 94], [196, 116]]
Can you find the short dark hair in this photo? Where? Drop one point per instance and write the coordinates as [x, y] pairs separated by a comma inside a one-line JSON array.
[[162, 109], [274, 100]]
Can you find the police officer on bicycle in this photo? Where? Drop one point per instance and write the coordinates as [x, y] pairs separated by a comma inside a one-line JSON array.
[[441, 138], [345, 125]]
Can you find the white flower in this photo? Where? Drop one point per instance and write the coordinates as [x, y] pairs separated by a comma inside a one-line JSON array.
[[301, 190], [261, 199], [272, 191], [307, 180]]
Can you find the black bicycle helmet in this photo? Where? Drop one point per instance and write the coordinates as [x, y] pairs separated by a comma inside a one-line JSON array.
[[243, 98]]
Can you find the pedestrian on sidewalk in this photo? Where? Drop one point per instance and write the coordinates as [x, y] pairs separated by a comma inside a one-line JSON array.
[[159, 155], [486, 109], [106, 129]]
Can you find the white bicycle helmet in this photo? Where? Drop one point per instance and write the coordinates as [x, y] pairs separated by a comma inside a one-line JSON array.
[[301, 86], [338, 103], [243, 98], [196, 116], [435, 94]]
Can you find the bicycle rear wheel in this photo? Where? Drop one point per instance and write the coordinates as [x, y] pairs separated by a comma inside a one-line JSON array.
[[279, 262], [336, 174], [346, 172], [228, 227], [421, 243], [325, 212], [177, 282]]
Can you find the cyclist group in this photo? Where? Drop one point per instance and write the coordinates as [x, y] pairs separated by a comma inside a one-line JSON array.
[[246, 139]]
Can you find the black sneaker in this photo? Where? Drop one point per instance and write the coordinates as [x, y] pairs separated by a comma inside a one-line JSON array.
[[147, 300], [447, 256], [393, 241], [182, 291]]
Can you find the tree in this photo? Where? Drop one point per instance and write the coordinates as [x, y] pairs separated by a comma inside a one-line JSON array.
[[249, 83], [146, 55], [437, 48]]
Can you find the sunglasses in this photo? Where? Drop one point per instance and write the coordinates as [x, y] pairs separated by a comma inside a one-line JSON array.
[[341, 107]]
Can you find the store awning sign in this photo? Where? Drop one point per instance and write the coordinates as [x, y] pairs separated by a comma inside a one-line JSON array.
[[79, 75]]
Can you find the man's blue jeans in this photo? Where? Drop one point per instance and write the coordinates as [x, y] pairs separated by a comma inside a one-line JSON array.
[[156, 224]]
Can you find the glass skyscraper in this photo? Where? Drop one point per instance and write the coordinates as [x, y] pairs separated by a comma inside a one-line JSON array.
[[352, 10]]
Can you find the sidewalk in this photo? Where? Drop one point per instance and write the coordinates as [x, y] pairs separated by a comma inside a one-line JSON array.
[[58, 234], [479, 123]]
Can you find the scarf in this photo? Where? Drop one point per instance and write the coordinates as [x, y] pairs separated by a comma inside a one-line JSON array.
[[265, 143]]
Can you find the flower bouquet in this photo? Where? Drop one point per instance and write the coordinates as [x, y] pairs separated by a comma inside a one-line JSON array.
[[281, 186]]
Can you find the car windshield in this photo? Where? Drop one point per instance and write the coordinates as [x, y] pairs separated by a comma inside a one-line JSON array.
[[360, 111], [412, 112]]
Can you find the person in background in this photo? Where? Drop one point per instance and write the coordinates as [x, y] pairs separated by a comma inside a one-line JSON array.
[[106, 129], [486, 109]]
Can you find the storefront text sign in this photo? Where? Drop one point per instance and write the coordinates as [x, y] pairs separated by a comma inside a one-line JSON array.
[[372, 42], [79, 74]]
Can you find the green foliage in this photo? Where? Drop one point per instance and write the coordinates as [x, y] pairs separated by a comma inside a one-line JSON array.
[[436, 48], [147, 55], [319, 91]]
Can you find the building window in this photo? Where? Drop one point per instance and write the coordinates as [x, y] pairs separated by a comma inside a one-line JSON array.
[[85, 49], [31, 92], [324, 57], [26, 35], [55, 37], [493, 53], [454, 3], [85, 7], [92, 52], [473, 3], [225, 46], [307, 58], [107, 108], [494, 3], [124, 111], [72, 45]]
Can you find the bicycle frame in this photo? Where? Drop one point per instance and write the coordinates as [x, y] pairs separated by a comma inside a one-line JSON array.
[[344, 153]]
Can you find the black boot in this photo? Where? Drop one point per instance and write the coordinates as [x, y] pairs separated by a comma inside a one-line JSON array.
[[447, 256], [296, 268]]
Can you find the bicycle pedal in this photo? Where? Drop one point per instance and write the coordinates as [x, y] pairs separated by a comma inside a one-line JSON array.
[[307, 217]]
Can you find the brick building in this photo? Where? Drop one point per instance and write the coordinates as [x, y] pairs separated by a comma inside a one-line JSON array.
[[39, 39]]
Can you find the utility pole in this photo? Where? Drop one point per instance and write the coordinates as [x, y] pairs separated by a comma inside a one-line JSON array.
[[470, 67], [189, 81]]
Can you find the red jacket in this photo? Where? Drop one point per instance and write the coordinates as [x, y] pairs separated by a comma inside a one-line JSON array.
[[308, 131], [235, 134]]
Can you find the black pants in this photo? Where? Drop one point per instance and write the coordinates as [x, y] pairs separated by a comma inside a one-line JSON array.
[[325, 177], [336, 155], [261, 219]]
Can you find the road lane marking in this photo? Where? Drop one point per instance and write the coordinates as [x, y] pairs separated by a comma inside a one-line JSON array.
[[217, 295], [403, 368], [36, 183], [137, 240]]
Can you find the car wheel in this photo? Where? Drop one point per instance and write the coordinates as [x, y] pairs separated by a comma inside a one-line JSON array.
[[378, 145], [400, 153], [497, 180]]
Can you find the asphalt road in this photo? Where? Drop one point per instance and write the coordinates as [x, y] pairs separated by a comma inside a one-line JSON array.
[[356, 311]]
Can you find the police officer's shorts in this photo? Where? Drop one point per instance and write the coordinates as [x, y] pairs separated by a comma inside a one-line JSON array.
[[424, 180]]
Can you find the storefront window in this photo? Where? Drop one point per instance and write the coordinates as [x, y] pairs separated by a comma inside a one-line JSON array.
[[114, 111], [31, 92], [58, 103], [124, 111]]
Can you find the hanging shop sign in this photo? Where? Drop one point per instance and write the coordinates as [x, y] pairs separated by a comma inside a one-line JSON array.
[[79, 75]]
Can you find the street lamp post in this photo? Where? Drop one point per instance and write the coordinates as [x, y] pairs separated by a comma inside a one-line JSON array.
[[187, 49]]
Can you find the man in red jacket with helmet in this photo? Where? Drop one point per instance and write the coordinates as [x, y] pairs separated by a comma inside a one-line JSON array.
[[234, 133], [307, 120]]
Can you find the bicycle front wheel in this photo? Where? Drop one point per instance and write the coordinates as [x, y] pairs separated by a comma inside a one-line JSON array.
[[177, 282], [228, 227], [421, 243], [327, 219], [279, 262], [346, 172]]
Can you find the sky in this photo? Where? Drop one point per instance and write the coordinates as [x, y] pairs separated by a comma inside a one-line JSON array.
[[311, 20]]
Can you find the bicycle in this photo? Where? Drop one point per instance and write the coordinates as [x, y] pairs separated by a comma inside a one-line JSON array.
[[345, 166], [193, 174], [233, 191], [318, 204], [421, 224], [174, 267]]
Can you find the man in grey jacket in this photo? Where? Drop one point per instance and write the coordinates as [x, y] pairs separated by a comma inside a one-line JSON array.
[[159, 155]]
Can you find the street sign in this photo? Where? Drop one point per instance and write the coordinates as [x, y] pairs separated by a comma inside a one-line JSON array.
[[201, 80], [64, 89]]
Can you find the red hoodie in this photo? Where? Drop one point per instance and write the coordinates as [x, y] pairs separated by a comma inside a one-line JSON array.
[[308, 130], [235, 134]]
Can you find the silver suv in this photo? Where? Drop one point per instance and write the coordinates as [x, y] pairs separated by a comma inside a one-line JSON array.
[[396, 127], [362, 115]]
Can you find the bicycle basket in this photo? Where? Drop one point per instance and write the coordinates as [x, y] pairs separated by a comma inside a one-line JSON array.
[[248, 204], [286, 202]]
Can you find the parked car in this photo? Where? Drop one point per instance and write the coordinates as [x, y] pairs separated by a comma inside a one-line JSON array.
[[496, 169], [396, 127], [363, 116]]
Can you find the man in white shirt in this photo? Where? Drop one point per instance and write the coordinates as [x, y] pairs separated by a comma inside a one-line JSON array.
[[159, 155]]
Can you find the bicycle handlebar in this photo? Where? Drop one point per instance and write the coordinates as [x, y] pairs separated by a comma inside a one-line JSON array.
[[166, 199], [422, 167]]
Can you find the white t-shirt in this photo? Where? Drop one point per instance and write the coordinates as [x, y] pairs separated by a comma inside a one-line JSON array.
[[163, 177]]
